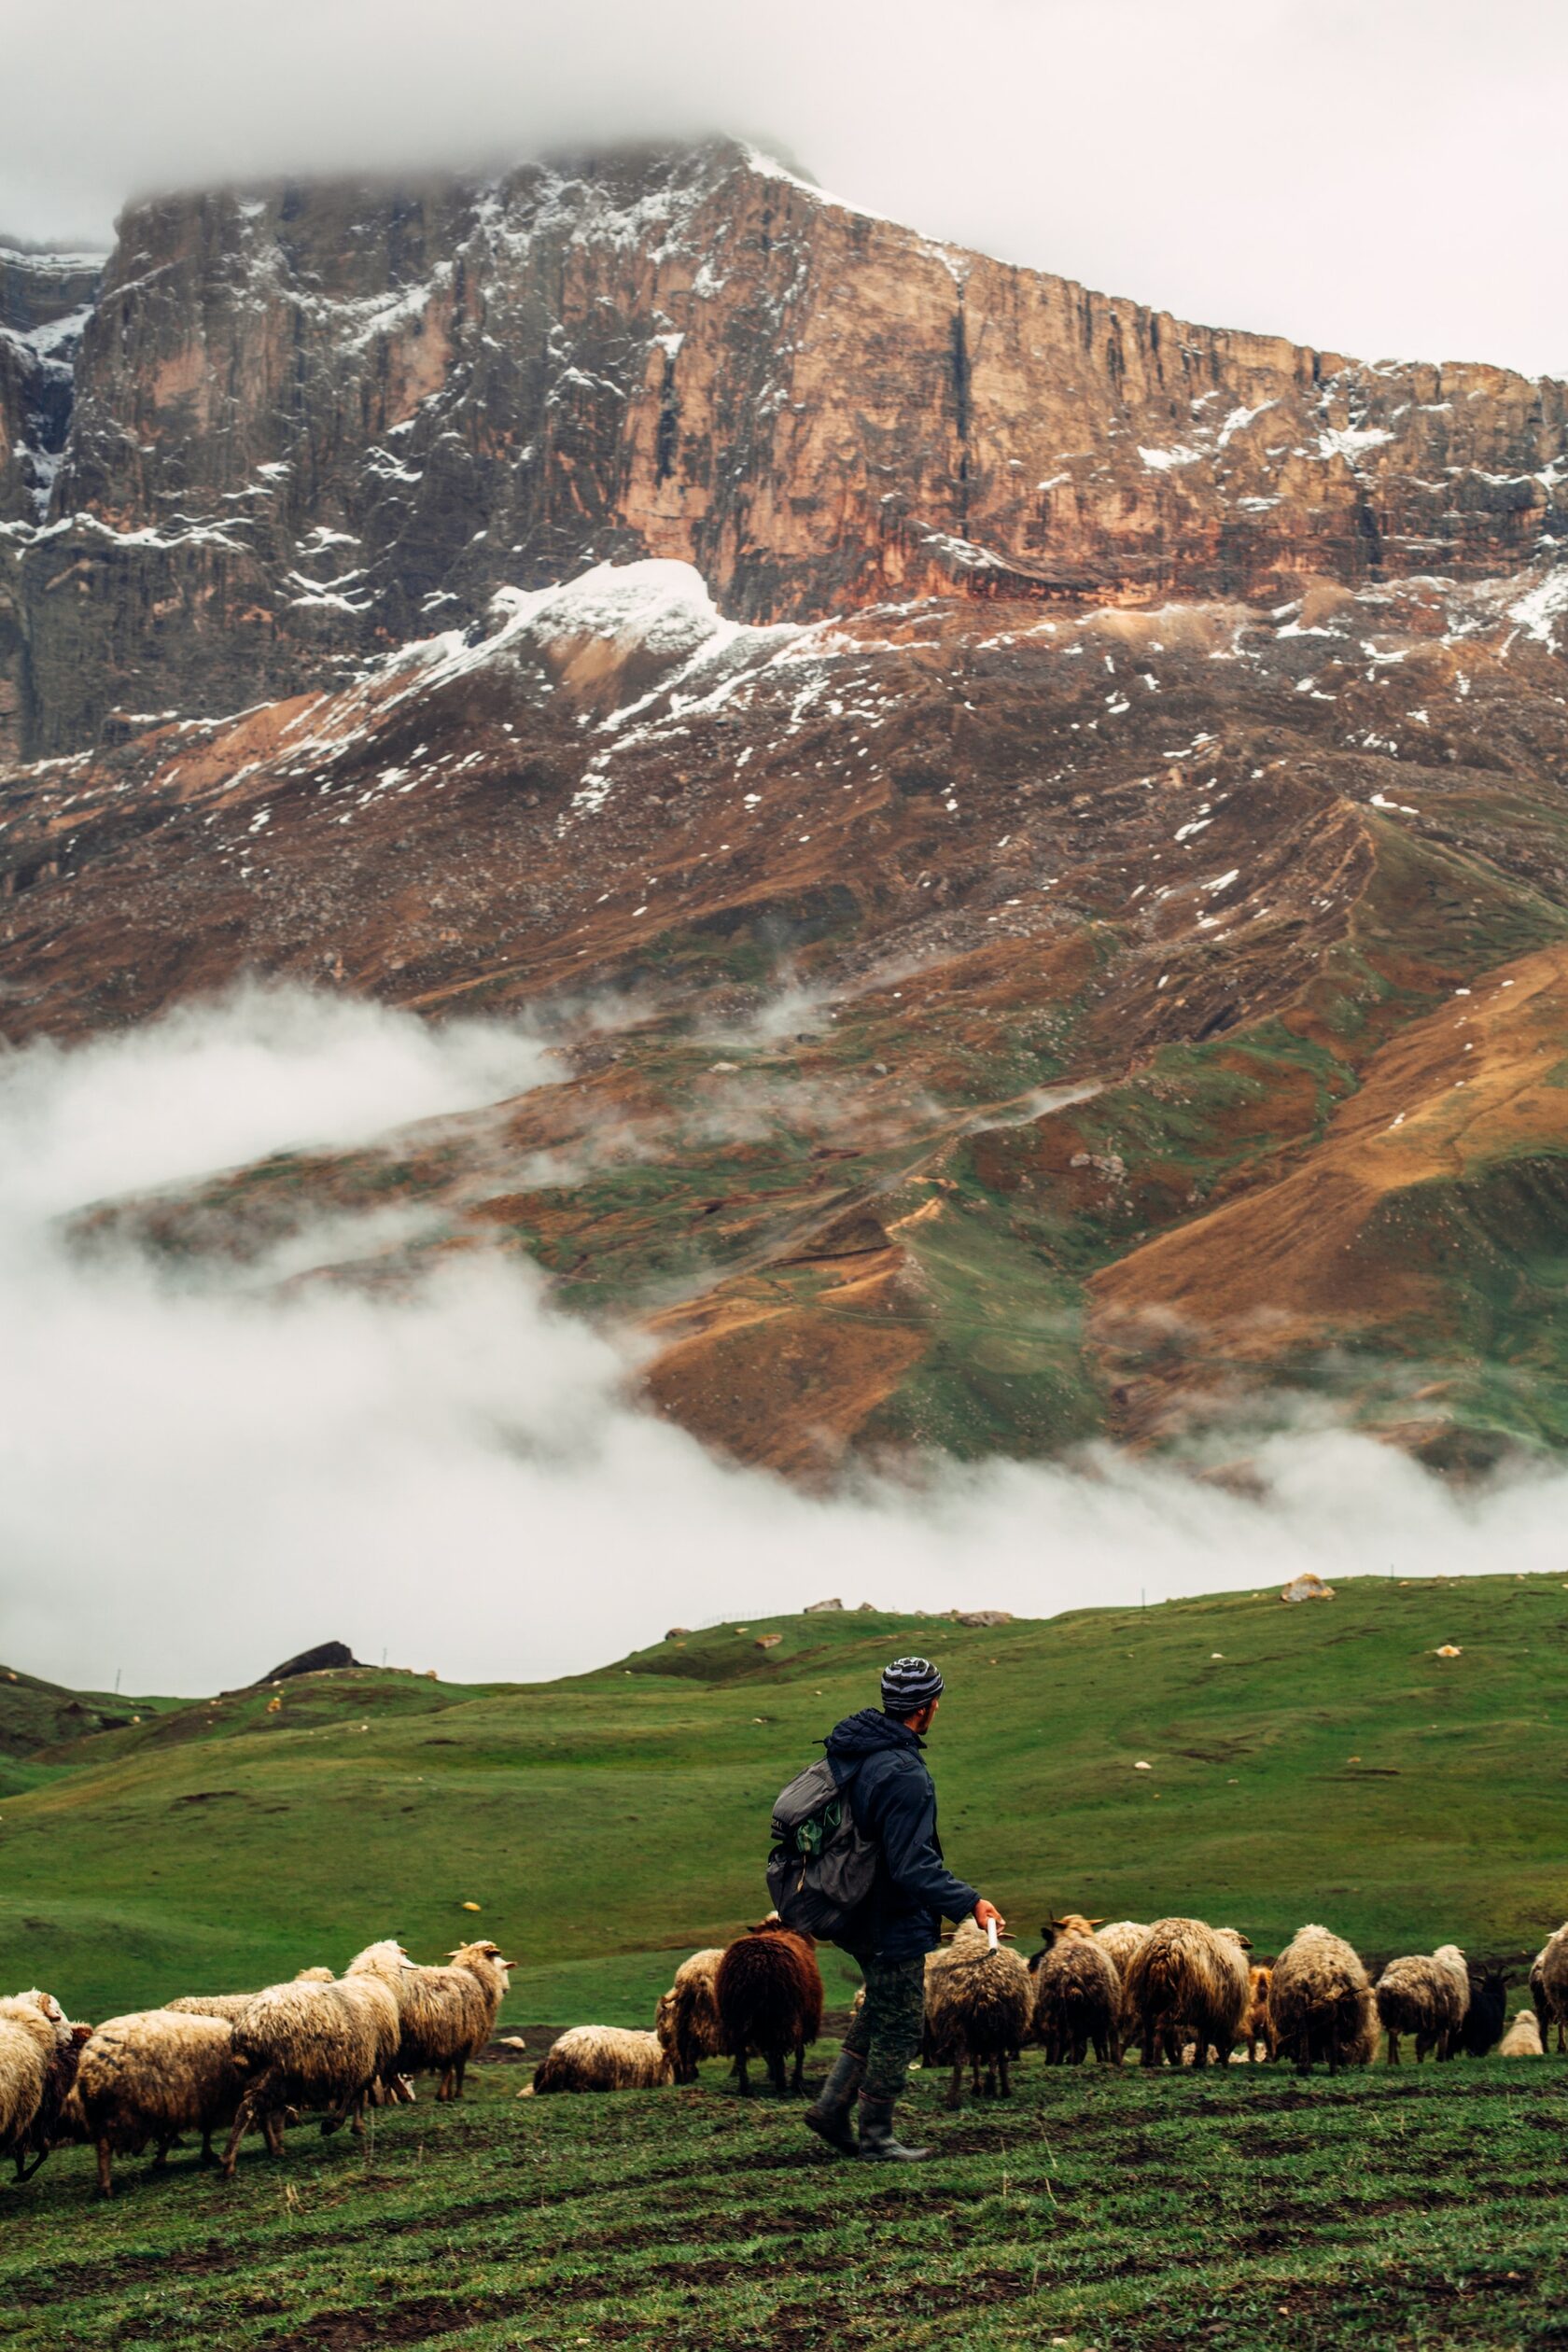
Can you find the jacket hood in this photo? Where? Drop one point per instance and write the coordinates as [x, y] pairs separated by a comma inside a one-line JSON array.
[[866, 1733]]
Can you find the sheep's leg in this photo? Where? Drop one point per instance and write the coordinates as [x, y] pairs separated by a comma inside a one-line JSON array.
[[106, 2170], [742, 2076], [160, 2158], [955, 2088], [461, 2070], [1004, 2077], [799, 2083], [777, 2074], [271, 2133]]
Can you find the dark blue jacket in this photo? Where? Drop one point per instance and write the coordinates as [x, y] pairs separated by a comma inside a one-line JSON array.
[[880, 1762]]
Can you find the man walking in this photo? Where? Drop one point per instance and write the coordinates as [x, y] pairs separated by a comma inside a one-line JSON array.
[[876, 1758]]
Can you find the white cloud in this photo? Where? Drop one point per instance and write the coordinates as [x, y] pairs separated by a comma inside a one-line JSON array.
[[199, 1475], [1375, 180]]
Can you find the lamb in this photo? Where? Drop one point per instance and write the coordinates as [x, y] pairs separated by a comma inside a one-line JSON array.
[[768, 1992], [1487, 2011], [602, 2058], [446, 2015], [37, 2060], [1523, 2037], [1424, 1996], [1185, 1979], [1550, 1974], [150, 2075], [979, 2012], [313, 2045], [1320, 2004], [1077, 1994], [687, 2018]]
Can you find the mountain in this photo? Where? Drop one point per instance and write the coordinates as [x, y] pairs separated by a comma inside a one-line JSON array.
[[310, 422], [1039, 830], [1303, 1761]]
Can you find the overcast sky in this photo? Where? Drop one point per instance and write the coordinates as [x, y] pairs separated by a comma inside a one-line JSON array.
[[1376, 176]]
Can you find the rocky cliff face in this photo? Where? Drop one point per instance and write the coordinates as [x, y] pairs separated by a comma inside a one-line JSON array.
[[309, 423]]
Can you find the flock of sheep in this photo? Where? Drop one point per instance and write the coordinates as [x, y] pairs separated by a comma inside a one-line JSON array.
[[1180, 1992], [239, 2062]]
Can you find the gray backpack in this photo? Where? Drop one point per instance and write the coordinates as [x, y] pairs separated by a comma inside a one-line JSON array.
[[822, 1868]]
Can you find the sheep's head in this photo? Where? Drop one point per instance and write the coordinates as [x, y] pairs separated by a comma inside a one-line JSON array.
[[1234, 1935], [479, 1958]]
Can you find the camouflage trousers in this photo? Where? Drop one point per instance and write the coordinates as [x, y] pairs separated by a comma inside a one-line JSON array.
[[886, 2030]]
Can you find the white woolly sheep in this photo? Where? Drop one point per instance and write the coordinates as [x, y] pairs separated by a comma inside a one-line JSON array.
[[1424, 1996], [1188, 1981], [1549, 1984], [1077, 1994], [602, 2058], [37, 2060], [687, 2018], [1523, 2037], [313, 2045], [233, 2006], [150, 2075], [446, 2014], [1320, 2004], [979, 2012]]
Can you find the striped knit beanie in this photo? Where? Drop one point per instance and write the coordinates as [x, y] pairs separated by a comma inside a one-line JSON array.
[[908, 1684]]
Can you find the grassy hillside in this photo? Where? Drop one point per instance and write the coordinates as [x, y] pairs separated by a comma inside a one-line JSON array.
[[1306, 1762]]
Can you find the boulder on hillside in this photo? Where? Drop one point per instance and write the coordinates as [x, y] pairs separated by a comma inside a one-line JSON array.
[[1309, 1585], [981, 1617], [815, 1608], [325, 1659]]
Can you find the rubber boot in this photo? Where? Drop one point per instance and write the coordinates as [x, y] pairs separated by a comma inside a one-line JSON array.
[[878, 2143], [827, 2115]]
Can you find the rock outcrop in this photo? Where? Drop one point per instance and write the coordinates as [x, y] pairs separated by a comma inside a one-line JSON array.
[[310, 422]]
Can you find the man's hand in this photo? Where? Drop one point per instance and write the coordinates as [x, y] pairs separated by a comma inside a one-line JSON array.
[[984, 1913]]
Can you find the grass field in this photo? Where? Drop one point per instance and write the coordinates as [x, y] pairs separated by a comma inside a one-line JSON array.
[[1236, 2212], [1319, 1761]]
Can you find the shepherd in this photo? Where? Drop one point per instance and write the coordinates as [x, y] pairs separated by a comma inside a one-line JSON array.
[[857, 1859]]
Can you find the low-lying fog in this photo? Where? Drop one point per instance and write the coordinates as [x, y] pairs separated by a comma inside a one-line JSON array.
[[201, 1473]]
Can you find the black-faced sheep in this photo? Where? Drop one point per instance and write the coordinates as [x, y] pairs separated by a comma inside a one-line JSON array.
[[687, 2019], [979, 2012], [1488, 2011], [1188, 1981], [1320, 2004], [150, 2075], [39, 2054], [602, 2058], [1077, 1994], [446, 2015], [768, 1992], [1424, 1998], [312, 2045]]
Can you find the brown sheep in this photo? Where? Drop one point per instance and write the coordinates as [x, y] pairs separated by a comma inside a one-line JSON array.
[[979, 2012], [1187, 1978], [768, 1993], [1549, 1984], [1320, 2004], [602, 2058], [1424, 1996], [1258, 2031], [446, 2015], [687, 2018], [313, 2045], [1077, 1994], [150, 2075], [38, 2053]]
